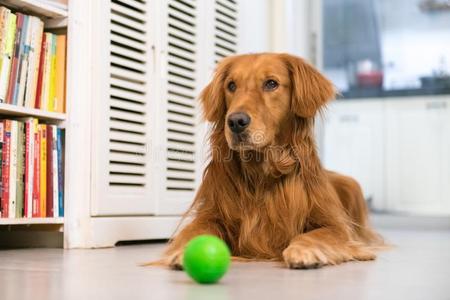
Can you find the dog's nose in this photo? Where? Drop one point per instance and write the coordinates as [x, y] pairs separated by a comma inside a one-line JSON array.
[[238, 122]]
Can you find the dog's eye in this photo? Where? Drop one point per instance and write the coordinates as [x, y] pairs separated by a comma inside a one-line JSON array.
[[231, 86], [270, 85]]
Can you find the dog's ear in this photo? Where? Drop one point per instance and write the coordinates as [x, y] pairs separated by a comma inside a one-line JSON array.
[[310, 89], [213, 95]]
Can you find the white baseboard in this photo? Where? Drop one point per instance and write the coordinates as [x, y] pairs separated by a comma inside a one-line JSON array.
[[413, 222], [107, 231]]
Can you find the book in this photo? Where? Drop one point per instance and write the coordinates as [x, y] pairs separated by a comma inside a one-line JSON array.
[[7, 57], [55, 173], [13, 169], [1, 156], [30, 126], [37, 56], [26, 206], [32, 63], [15, 60], [23, 62], [37, 30], [60, 84], [4, 14], [60, 142], [5, 167], [43, 169], [47, 67], [32, 169], [40, 80], [52, 76], [36, 171], [47, 70], [49, 168], [20, 71], [20, 170]]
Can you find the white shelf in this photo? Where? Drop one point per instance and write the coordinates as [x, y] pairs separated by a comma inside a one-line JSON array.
[[20, 111], [44, 8], [54, 23], [30, 221]]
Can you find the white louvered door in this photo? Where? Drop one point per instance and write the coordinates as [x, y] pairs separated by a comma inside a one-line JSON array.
[[154, 57], [180, 45], [122, 110], [225, 28], [199, 33]]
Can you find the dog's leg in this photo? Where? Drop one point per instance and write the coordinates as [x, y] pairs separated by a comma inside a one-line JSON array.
[[323, 246], [174, 254]]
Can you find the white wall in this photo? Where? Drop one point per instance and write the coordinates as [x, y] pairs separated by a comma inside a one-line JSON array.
[[275, 26], [254, 26]]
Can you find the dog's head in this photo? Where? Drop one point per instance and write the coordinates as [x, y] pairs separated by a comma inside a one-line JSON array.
[[255, 97]]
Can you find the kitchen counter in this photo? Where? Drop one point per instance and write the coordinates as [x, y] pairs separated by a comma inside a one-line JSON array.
[[359, 93]]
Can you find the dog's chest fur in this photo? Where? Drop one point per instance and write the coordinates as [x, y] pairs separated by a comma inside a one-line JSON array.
[[269, 215]]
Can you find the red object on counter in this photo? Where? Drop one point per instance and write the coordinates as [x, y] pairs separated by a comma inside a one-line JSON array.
[[370, 79]]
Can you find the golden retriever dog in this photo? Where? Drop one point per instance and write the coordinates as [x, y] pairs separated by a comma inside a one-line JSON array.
[[264, 191]]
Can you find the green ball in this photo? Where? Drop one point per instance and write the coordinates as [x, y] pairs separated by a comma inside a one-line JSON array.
[[206, 258]]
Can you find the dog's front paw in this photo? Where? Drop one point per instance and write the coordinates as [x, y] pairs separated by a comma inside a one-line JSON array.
[[175, 260], [300, 257]]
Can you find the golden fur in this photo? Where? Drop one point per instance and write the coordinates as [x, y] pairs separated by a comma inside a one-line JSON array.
[[268, 197]]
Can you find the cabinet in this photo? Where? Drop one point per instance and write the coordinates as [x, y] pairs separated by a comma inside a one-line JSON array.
[[353, 144], [146, 63], [417, 151], [397, 148], [55, 18]]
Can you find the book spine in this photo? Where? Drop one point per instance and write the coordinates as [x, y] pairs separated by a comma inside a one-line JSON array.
[[26, 204], [7, 58], [3, 20], [49, 167], [60, 172], [43, 170], [5, 168], [55, 171], [29, 167], [21, 71], [29, 78], [13, 170], [23, 63], [15, 59], [4, 15], [40, 79], [36, 170], [60, 73], [20, 170], [52, 88], [37, 45], [47, 69], [2, 134]]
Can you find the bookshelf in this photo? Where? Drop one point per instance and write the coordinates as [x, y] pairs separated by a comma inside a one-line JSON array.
[[20, 111], [119, 114], [55, 16], [31, 221], [41, 8]]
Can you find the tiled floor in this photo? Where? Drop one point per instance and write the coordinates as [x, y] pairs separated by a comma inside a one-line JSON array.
[[417, 268]]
